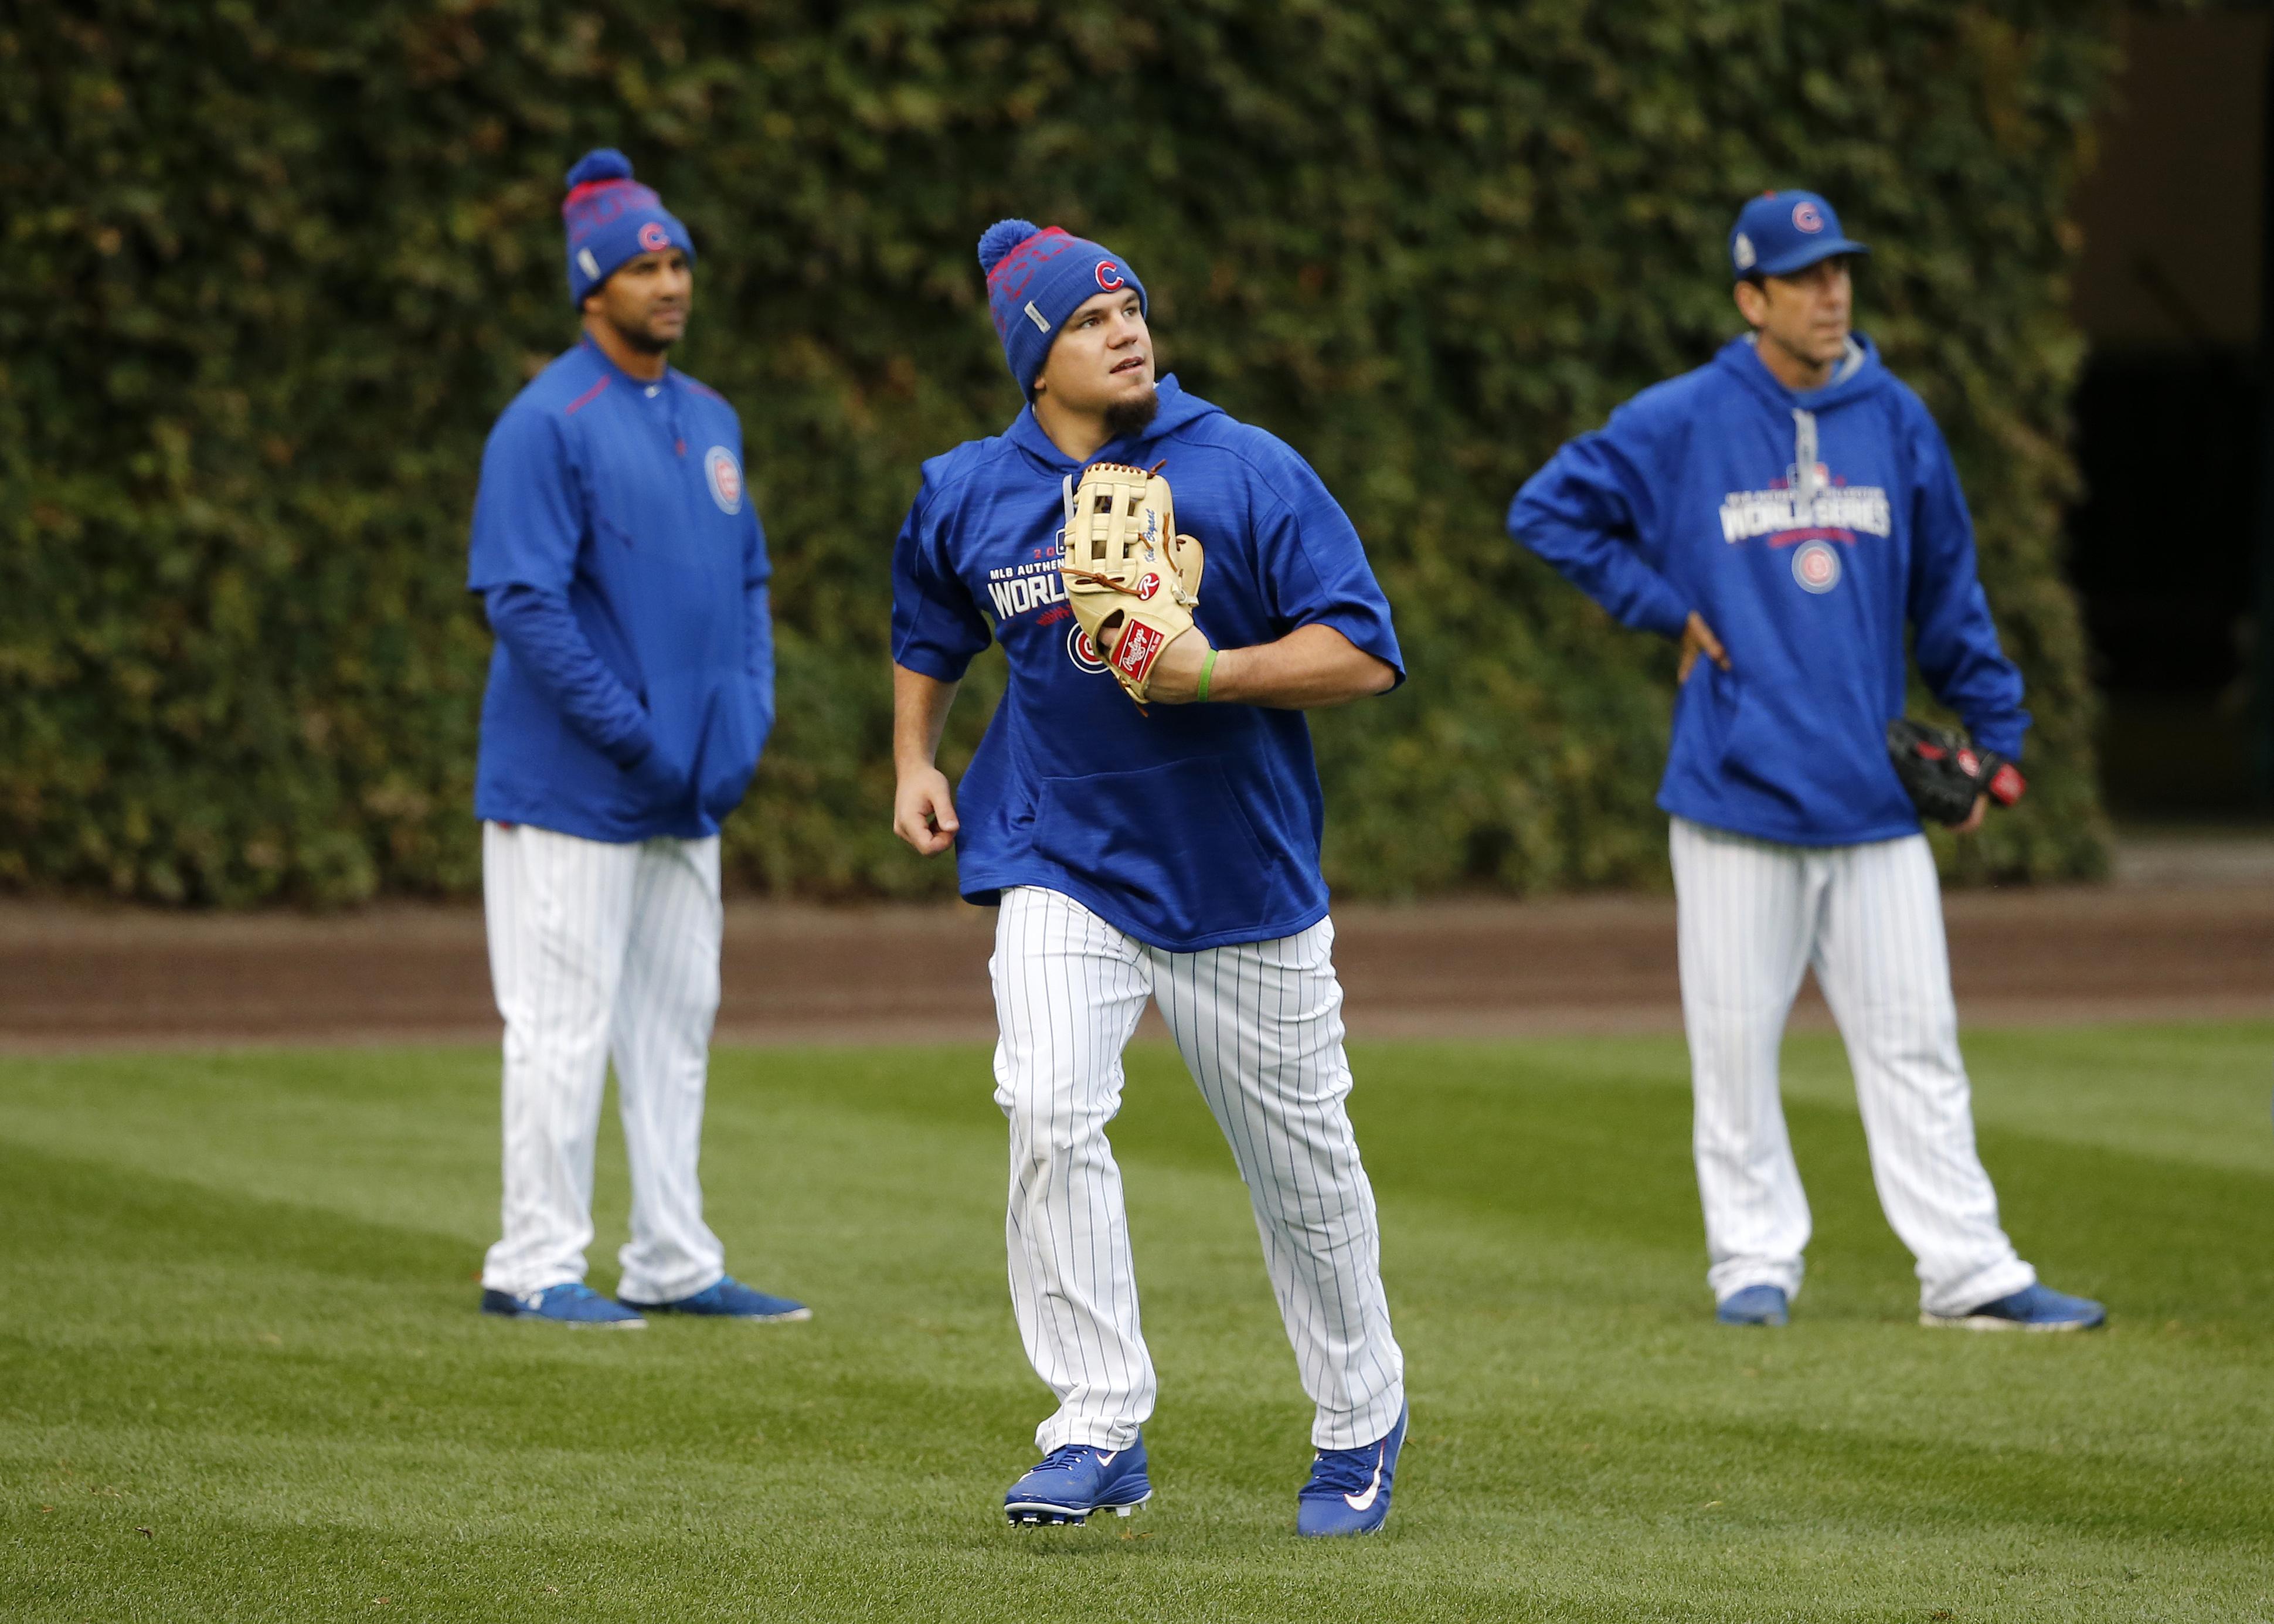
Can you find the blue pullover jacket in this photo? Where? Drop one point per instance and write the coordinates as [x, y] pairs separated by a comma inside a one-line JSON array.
[[1190, 826], [1809, 530], [621, 558]]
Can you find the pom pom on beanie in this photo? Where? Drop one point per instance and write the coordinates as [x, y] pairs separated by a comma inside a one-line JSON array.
[[601, 163], [998, 240]]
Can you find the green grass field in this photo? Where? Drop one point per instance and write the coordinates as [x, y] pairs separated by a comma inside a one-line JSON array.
[[241, 1374]]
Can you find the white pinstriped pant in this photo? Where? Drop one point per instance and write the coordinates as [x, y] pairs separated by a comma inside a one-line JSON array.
[[1754, 917], [599, 949], [1259, 1027]]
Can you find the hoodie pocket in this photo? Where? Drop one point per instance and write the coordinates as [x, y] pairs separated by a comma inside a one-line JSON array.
[[729, 752], [1822, 766], [1752, 749], [1171, 844], [1706, 707]]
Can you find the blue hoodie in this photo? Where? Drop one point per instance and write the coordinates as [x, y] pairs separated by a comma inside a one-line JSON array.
[[1808, 529], [1188, 827]]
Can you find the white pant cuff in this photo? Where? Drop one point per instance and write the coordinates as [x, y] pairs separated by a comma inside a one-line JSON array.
[[645, 1289], [1725, 1280], [527, 1285], [1059, 1431], [1354, 1429], [1973, 1290]]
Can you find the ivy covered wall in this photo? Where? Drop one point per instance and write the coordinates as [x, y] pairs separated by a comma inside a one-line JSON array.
[[274, 269]]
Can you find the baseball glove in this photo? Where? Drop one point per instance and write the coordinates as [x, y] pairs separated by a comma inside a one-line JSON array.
[[1943, 774], [1126, 569]]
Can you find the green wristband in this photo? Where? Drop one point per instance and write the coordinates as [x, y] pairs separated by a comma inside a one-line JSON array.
[[1208, 670]]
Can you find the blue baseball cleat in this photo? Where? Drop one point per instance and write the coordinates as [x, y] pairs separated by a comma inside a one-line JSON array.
[[1068, 1484], [2033, 1308], [1754, 1305], [571, 1303], [1349, 1490], [729, 1299]]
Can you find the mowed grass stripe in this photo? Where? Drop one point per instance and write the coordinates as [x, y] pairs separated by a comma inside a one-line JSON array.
[[239, 1314]]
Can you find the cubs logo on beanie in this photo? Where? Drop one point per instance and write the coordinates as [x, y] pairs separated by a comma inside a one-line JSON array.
[[612, 218], [1038, 277]]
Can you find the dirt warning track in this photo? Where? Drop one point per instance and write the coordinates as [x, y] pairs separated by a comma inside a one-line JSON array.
[[74, 976]]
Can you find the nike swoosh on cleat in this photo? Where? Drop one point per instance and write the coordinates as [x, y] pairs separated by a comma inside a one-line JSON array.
[[1364, 1503], [1104, 1459]]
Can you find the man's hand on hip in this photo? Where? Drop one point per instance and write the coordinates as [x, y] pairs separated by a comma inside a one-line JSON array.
[[1698, 638]]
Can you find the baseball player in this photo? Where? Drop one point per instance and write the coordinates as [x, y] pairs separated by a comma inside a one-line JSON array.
[[622, 564], [1168, 852], [1786, 512]]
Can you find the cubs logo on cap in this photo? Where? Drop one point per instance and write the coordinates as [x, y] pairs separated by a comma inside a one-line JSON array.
[[1109, 275], [725, 477], [1780, 232], [653, 238]]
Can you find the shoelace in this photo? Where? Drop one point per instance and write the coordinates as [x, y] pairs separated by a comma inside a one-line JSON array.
[[1345, 1471], [1066, 1457]]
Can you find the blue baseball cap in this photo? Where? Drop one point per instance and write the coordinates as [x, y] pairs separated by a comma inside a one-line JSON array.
[[1780, 232]]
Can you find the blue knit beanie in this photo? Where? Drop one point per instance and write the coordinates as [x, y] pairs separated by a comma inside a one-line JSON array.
[[612, 218], [1036, 279]]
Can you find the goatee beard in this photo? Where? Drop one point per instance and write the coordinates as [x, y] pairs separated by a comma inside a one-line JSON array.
[[640, 339], [1124, 418]]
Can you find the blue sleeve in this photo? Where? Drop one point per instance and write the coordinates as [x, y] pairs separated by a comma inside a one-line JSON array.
[[529, 513], [757, 605], [1585, 512], [1314, 566], [757, 609], [540, 631], [1956, 640], [937, 629]]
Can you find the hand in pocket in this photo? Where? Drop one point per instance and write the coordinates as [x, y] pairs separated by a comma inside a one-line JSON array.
[[659, 779]]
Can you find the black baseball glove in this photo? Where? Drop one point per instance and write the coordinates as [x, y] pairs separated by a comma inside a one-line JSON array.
[[1943, 775]]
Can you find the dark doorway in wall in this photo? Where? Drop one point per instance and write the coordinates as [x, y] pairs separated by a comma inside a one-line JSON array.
[[2164, 547]]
